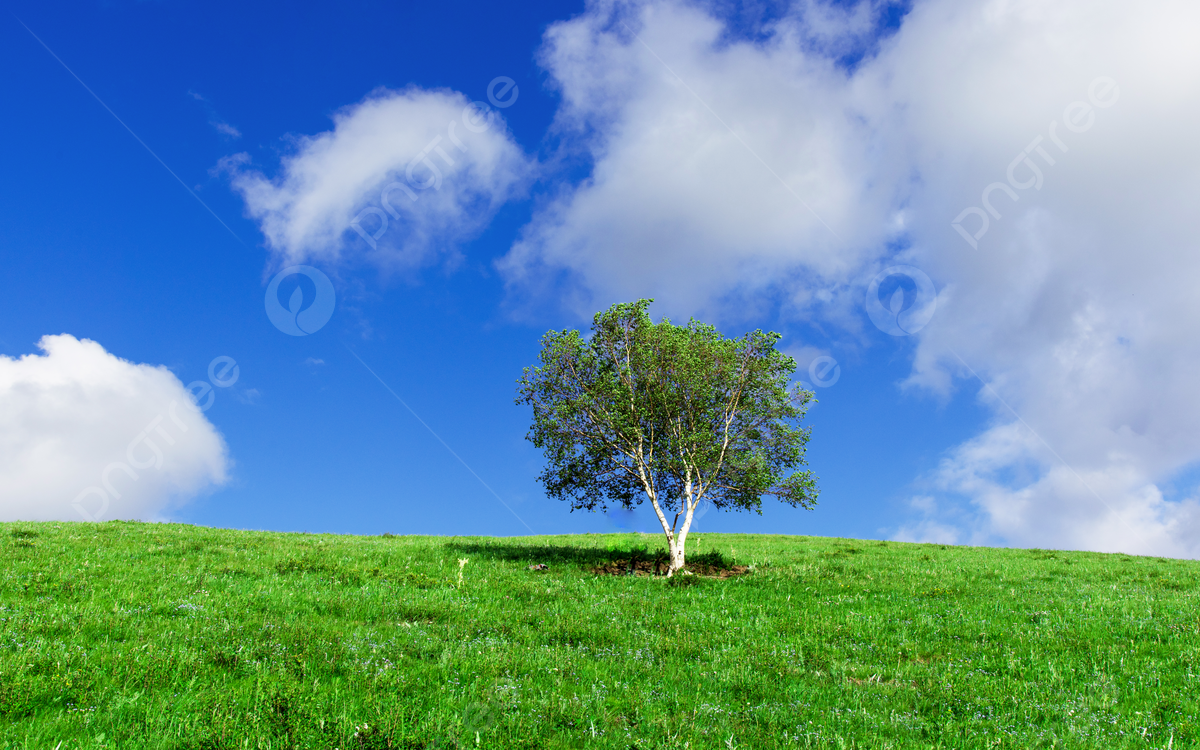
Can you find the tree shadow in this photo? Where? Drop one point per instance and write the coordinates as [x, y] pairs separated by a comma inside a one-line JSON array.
[[632, 559], [550, 554]]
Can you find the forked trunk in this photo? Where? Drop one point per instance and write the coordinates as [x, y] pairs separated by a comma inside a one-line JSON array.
[[676, 541]]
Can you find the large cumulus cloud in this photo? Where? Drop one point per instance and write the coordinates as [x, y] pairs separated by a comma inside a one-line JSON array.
[[721, 167], [86, 435]]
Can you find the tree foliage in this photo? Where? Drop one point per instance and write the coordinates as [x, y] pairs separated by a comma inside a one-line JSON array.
[[673, 414]]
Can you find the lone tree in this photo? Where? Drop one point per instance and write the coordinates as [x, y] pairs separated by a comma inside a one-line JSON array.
[[670, 413]]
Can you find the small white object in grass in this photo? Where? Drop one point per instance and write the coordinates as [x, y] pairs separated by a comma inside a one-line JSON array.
[[462, 563]]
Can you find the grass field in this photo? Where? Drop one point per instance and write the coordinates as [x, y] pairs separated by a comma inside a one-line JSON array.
[[168, 636]]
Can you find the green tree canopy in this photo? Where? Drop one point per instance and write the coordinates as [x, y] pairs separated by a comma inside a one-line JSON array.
[[673, 414]]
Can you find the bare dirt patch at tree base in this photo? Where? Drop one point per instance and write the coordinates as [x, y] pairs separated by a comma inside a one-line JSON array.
[[659, 567]]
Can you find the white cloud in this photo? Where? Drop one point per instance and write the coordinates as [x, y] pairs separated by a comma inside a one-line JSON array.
[[420, 170], [222, 127], [81, 427], [226, 129], [720, 168], [1078, 306], [927, 529]]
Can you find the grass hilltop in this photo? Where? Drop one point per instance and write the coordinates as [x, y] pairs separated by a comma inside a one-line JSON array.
[[138, 635]]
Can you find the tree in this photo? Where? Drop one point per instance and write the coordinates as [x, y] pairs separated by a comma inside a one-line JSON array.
[[673, 414]]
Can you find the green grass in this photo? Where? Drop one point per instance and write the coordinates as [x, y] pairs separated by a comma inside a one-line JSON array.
[[168, 636]]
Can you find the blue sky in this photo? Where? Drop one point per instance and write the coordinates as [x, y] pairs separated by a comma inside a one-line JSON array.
[[831, 162]]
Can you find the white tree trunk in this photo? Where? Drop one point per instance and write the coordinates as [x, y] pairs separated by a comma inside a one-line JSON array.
[[677, 540], [679, 547], [677, 557]]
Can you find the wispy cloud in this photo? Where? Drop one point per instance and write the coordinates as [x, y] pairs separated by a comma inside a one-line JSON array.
[[222, 127]]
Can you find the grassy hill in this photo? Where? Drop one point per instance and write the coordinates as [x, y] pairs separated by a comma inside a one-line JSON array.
[[167, 636]]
